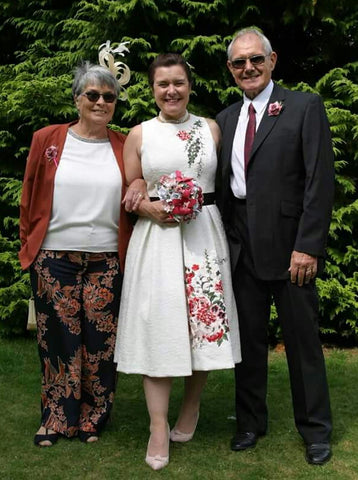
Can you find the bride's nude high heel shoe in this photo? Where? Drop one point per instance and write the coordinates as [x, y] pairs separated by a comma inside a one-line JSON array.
[[158, 462], [178, 436]]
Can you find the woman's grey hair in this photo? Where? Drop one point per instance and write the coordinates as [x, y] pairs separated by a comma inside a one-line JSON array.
[[87, 73], [264, 40]]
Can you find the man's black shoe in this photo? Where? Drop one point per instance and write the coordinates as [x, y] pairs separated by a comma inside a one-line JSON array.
[[243, 440], [318, 453]]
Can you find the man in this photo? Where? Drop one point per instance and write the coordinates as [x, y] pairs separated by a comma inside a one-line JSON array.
[[276, 210]]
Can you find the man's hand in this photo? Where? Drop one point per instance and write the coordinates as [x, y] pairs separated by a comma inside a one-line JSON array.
[[303, 268]]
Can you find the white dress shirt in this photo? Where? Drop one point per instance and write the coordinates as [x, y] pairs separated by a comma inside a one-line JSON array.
[[237, 181]]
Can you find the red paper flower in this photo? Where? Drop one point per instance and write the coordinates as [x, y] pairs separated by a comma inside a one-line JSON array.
[[182, 196]]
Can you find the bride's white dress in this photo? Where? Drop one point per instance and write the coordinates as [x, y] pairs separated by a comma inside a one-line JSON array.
[[178, 311]]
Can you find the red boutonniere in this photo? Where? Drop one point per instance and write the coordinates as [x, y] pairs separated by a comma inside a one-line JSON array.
[[51, 154], [274, 109]]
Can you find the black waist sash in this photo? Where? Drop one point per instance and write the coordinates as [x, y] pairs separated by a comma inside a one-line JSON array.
[[208, 198]]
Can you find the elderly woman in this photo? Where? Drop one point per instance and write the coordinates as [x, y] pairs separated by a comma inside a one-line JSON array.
[[74, 235]]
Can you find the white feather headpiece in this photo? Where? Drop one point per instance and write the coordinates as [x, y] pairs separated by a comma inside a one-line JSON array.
[[119, 69]]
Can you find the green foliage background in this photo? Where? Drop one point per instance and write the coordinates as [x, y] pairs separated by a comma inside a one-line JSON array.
[[43, 40]]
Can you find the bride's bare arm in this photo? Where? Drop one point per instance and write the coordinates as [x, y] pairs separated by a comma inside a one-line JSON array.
[[136, 198]]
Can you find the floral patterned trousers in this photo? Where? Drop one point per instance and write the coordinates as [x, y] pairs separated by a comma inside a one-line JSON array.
[[77, 302]]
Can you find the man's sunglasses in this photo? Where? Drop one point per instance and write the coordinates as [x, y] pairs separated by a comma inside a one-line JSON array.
[[240, 63], [108, 97]]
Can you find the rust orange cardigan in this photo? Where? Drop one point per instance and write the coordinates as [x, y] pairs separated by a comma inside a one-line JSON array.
[[38, 187]]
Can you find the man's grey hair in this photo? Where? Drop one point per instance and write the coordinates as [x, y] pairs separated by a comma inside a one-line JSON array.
[[264, 40]]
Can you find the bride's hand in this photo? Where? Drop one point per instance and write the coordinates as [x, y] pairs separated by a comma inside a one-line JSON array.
[[155, 211]]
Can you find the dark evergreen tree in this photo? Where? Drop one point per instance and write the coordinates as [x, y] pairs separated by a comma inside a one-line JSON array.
[[43, 40]]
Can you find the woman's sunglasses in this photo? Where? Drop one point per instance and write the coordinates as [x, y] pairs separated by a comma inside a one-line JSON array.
[[108, 97]]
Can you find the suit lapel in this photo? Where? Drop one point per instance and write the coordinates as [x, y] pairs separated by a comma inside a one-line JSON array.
[[267, 122]]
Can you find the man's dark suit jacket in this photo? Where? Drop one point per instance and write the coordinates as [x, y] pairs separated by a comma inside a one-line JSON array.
[[290, 181]]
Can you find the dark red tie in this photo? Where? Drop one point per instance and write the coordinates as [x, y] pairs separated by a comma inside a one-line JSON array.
[[250, 134]]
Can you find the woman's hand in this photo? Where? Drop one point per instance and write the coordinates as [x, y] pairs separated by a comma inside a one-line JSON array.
[[135, 193], [137, 200], [155, 211]]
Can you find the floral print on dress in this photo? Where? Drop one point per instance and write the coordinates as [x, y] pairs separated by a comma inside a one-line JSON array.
[[208, 320], [194, 145]]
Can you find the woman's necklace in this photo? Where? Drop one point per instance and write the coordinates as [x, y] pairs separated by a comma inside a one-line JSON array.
[[182, 119], [83, 133], [74, 134]]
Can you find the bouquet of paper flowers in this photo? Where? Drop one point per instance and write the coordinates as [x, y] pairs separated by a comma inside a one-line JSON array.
[[182, 196]]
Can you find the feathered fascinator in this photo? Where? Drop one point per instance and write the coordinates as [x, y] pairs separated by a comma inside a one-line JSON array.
[[119, 69]]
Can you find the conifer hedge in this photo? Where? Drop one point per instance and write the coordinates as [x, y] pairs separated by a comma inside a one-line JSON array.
[[43, 40]]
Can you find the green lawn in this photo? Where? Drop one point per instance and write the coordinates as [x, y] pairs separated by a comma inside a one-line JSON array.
[[120, 452]]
